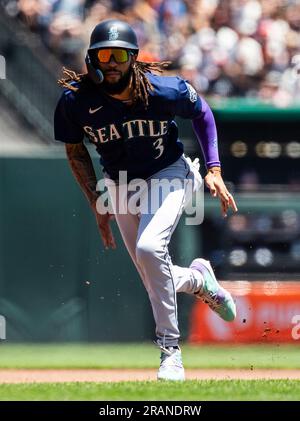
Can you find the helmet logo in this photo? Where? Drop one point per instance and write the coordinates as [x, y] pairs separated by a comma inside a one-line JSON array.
[[113, 33]]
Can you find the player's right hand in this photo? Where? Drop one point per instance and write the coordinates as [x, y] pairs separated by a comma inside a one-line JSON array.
[[103, 222]]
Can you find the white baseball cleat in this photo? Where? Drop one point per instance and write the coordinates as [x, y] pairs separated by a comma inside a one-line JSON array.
[[212, 293], [171, 367]]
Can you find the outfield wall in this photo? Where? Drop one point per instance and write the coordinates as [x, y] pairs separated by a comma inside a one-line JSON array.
[[57, 283]]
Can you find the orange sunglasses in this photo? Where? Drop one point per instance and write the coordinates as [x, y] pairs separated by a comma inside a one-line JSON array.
[[120, 55]]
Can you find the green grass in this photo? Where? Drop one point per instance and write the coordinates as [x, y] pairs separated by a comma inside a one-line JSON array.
[[146, 356], [189, 390]]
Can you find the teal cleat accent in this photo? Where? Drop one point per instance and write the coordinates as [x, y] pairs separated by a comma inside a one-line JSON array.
[[211, 293]]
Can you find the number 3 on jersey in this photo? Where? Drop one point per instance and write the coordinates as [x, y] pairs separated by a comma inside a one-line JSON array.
[[158, 144]]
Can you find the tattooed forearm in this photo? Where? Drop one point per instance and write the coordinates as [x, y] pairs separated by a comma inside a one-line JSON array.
[[83, 170]]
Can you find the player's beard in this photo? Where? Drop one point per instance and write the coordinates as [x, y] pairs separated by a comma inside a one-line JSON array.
[[117, 87]]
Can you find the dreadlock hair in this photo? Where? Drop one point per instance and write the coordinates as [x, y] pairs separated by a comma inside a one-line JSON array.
[[140, 84]]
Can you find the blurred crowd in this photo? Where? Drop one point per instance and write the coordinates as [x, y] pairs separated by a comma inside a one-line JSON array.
[[247, 48]]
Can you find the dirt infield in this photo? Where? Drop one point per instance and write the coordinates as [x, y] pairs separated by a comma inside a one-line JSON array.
[[83, 375]]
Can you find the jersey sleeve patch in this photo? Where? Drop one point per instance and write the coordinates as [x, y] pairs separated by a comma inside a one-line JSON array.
[[192, 92], [188, 104]]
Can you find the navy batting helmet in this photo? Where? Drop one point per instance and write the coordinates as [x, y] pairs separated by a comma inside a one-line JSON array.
[[111, 33]]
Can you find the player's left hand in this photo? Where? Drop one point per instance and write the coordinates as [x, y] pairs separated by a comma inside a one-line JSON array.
[[216, 185]]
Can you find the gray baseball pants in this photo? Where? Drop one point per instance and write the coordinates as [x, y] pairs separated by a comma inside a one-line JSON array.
[[146, 232]]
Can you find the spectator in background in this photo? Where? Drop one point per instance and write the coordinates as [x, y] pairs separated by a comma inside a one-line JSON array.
[[224, 47]]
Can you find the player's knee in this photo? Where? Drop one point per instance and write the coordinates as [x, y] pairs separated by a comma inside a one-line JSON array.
[[147, 250]]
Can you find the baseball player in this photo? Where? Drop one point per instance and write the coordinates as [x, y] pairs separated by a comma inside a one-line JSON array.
[[128, 113]]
